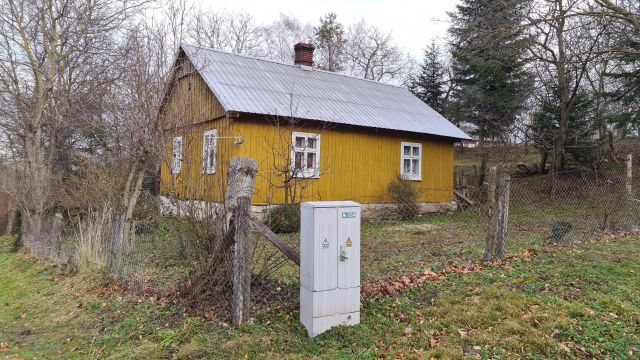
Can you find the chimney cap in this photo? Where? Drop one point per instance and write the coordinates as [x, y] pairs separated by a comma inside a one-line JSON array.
[[303, 46]]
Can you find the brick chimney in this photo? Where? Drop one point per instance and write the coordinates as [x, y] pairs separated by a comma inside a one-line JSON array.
[[304, 54]]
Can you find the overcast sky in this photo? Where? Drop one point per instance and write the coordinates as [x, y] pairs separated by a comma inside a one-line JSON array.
[[413, 22]]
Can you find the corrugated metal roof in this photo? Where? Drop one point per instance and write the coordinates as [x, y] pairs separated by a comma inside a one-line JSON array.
[[253, 85]]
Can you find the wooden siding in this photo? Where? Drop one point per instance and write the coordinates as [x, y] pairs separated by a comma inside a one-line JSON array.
[[355, 163], [189, 100], [190, 110]]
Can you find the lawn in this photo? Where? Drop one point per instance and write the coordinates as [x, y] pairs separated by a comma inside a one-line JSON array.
[[572, 302]]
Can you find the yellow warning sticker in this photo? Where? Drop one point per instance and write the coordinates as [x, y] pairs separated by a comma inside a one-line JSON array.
[[349, 242]]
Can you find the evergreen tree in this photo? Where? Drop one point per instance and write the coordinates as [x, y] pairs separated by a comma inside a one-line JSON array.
[[488, 63], [430, 84], [629, 92], [330, 43], [580, 142]]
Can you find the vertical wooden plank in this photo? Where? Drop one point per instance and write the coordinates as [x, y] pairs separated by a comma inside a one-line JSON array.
[[241, 262], [503, 214]]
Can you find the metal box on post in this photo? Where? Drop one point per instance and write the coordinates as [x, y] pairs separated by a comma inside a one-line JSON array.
[[329, 265]]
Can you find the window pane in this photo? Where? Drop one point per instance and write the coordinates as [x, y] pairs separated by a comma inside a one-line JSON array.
[[299, 142], [406, 166], [211, 159], [311, 143], [311, 161], [407, 150], [298, 161], [414, 166], [416, 151]]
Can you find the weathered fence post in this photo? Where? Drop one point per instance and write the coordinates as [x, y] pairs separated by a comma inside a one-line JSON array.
[[491, 215], [241, 261], [502, 216], [629, 181], [55, 234], [116, 243], [483, 167], [11, 218]]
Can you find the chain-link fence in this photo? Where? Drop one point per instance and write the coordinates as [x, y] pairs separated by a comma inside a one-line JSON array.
[[400, 236]]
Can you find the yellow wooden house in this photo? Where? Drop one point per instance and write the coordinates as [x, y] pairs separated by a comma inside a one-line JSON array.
[[316, 135]]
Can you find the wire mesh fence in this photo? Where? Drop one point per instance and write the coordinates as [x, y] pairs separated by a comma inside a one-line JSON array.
[[164, 253]]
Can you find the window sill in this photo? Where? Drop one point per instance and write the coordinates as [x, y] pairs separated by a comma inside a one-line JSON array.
[[307, 176], [411, 178], [208, 172]]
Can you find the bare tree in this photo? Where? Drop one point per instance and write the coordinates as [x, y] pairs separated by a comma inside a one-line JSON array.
[[226, 31], [280, 36], [563, 47], [42, 44], [372, 54]]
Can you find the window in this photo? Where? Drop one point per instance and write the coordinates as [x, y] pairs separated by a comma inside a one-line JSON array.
[[176, 156], [305, 155], [411, 161], [209, 152]]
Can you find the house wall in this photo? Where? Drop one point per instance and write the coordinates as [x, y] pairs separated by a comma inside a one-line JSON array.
[[190, 109], [355, 163]]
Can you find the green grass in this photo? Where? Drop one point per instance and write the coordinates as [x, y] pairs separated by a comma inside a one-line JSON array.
[[567, 303]]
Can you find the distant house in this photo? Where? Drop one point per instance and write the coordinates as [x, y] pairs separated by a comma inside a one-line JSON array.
[[317, 135]]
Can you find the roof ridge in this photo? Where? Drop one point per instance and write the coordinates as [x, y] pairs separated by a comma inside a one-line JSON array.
[[292, 65]]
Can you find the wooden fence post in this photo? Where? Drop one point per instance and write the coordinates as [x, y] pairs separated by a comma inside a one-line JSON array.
[[11, 218], [55, 234], [117, 242], [503, 214], [629, 181], [241, 261], [483, 167], [491, 218]]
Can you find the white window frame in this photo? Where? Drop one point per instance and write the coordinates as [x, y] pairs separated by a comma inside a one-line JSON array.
[[305, 173], [206, 167], [176, 153], [411, 157]]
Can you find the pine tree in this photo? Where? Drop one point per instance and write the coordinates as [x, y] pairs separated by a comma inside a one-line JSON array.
[[430, 84], [330, 43], [488, 64], [628, 95], [580, 143]]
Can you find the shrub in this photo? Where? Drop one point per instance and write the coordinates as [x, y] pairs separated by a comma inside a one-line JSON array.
[[405, 198], [284, 218]]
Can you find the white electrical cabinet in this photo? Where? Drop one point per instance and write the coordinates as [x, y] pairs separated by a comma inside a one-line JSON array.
[[329, 265]]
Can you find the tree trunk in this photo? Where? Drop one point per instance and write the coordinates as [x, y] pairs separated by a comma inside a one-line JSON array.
[[565, 100]]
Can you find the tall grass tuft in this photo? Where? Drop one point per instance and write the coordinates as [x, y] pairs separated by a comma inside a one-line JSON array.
[[92, 238]]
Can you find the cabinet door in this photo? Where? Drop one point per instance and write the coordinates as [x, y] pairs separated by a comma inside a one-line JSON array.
[[325, 248], [348, 247]]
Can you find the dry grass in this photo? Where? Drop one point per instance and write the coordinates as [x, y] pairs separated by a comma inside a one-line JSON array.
[[92, 237]]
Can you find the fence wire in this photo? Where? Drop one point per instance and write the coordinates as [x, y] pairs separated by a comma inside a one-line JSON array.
[[162, 252]]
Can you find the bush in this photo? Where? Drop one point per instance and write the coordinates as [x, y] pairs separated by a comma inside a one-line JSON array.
[[405, 198], [283, 219]]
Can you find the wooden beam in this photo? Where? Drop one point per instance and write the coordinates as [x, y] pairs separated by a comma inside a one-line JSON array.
[[276, 240]]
